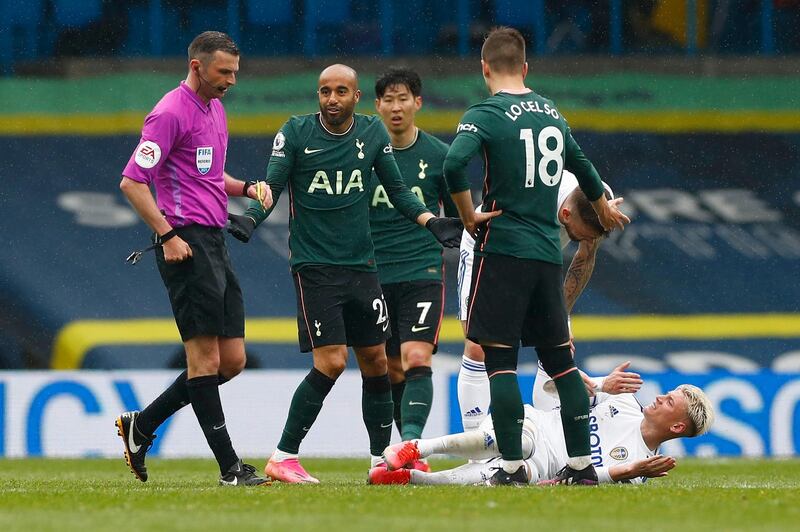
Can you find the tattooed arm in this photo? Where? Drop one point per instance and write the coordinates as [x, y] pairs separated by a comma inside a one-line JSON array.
[[580, 271]]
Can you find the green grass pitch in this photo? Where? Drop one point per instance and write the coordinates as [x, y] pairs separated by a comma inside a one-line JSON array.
[[96, 494]]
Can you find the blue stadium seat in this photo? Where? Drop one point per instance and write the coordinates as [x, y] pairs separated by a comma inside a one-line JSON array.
[[269, 12], [76, 13], [323, 15], [523, 14], [268, 27], [328, 11], [19, 29], [515, 12]]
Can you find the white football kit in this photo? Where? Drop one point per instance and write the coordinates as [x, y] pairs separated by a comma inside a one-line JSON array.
[[615, 438]]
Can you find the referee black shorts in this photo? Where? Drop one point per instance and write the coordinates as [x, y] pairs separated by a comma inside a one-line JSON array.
[[516, 300], [203, 290], [415, 313], [339, 306]]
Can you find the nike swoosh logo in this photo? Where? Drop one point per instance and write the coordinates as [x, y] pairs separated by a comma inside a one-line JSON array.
[[308, 151], [385, 426], [306, 429], [132, 447], [412, 403], [217, 428], [418, 329]]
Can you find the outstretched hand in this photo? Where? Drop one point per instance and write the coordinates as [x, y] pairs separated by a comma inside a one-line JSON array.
[[653, 467], [621, 381]]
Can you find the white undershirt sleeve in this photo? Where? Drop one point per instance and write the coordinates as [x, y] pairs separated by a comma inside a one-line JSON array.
[[603, 476]]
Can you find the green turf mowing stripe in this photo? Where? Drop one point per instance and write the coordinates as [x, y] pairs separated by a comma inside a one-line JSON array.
[[93, 494]]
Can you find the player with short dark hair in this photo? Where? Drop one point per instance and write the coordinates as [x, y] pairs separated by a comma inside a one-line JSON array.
[[516, 291], [325, 160], [182, 152], [409, 259]]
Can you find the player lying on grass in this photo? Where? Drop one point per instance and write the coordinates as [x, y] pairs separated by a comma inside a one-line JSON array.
[[624, 439]]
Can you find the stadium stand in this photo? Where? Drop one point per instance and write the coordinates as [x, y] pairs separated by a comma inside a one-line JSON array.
[[28, 30], [269, 26], [76, 13], [687, 154], [19, 30]]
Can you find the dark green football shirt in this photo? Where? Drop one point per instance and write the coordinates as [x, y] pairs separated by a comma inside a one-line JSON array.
[[328, 177], [526, 144], [404, 250]]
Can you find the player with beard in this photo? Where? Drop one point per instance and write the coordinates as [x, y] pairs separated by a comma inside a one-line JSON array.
[[325, 160]]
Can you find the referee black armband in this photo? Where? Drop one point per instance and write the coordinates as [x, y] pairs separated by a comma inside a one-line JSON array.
[[247, 184], [166, 236]]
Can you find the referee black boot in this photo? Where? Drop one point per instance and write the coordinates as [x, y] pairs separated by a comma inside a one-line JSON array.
[[501, 478], [241, 474], [573, 477], [136, 444]]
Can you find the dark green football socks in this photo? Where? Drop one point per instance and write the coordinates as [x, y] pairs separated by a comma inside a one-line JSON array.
[[304, 409], [397, 398], [507, 409], [416, 402], [377, 409]]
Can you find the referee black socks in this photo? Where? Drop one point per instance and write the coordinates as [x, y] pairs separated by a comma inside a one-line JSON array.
[[175, 397], [204, 395]]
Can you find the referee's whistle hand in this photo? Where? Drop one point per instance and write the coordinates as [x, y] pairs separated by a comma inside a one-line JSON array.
[[176, 250]]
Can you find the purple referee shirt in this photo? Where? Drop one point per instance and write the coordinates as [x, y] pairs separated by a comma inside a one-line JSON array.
[[182, 151]]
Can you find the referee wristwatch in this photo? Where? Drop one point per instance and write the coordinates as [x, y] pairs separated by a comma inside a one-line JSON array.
[[247, 185]]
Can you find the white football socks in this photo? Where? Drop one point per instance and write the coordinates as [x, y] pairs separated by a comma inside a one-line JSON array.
[[280, 456], [474, 445], [509, 466], [579, 462], [465, 475], [473, 393]]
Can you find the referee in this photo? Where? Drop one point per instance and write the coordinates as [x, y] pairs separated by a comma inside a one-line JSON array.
[[182, 152]]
